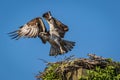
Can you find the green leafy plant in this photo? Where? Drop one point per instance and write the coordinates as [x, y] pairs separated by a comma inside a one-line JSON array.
[[108, 73], [50, 73]]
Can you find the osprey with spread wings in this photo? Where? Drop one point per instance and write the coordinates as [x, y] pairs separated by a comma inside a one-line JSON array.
[[36, 28]]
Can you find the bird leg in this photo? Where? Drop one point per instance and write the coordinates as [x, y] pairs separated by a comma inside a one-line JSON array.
[[61, 48]]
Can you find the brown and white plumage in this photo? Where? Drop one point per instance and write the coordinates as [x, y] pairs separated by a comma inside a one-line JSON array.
[[57, 32], [32, 29], [36, 28], [58, 26]]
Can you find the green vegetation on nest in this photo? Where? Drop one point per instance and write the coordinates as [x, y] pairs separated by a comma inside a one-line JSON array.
[[92, 68]]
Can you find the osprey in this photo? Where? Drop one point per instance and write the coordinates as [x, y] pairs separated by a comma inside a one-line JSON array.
[[36, 28]]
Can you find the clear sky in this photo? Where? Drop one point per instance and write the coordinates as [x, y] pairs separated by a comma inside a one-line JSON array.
[[94, 26]]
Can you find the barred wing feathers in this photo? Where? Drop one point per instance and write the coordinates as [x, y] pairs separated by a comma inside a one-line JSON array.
[[62, 27], [31, 29]]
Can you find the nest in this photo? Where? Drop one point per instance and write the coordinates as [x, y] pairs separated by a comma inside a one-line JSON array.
[[71, 68]]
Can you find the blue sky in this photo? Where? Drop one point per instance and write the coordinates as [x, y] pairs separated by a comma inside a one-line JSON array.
[[94, 26]]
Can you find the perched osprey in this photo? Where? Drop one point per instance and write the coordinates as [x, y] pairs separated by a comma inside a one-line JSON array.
[[36, 28]]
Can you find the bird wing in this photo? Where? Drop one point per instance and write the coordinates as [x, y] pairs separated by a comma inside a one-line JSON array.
[[32, 29], [62, 28]]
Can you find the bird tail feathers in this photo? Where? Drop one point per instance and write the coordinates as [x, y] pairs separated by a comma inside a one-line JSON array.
[[54, 50], [66, 46]]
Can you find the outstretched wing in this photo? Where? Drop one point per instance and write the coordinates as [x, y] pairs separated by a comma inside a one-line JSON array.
[[60, 27], [32, 29]]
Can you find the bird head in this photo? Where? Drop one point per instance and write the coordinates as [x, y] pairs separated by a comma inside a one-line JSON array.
[[47, 15]]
